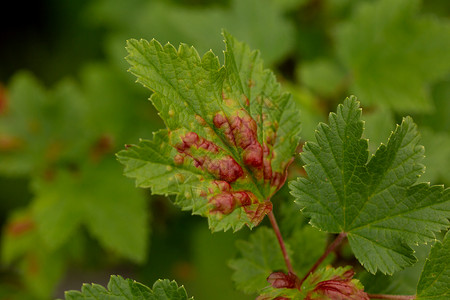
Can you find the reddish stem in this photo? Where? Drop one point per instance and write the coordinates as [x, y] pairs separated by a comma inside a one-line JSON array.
[[330, 249], [391, 297], [273, 221]]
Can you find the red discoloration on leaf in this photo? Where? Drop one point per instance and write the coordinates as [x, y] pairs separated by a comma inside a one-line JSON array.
[[244, 129], [200, 120], [220, 186], [281, 280], [267, 163], [224, 200], [257, 212], [221, 122], [241, 130], [191, 139], [270, 137], [224, 203], [178, 159], [246, 101], [225, 168], [19, 227], [253, 155], [279, 178], [338, 288]]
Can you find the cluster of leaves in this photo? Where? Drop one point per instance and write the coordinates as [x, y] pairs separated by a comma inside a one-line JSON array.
[[75, 182], [374, 202], [392, 55]]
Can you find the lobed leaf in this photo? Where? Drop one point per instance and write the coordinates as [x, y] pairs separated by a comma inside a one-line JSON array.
[[434, 283], [119, 288], [98, 198], [374, 201], [230, 136], [260, 256]]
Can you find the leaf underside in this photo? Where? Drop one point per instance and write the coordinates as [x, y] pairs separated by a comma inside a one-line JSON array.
[[230, 135], [375, 201]]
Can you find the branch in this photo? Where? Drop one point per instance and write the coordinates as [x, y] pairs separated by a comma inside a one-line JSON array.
[[330, 249]]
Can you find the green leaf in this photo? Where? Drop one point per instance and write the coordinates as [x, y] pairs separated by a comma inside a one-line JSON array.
[[434, 282], [394, 53], [403, 282], [99, 198], [310, 243], [262, 23], [260, 256], [22, 248], [119, 288], [39, 127], [231, 131], [375, 201], [325, 283]]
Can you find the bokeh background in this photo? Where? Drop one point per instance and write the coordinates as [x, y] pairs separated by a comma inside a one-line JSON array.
[[68, 104]]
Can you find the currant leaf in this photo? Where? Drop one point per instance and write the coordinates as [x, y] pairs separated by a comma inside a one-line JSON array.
[[374, 201], [259, 257], [230, 135], [120, 288], [434, 283]]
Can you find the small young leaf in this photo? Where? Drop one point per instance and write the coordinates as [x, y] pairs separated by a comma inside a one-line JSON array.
[[325, 283], [231, 131], [374, 201], [260, 257], [434, 283], [119, 288]]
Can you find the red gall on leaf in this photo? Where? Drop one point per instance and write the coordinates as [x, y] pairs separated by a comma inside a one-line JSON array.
[[281, 280], [338, 288], [225, 168]]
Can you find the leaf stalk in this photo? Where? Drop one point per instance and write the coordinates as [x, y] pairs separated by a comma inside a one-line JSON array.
[[330, 249], [275, 227]]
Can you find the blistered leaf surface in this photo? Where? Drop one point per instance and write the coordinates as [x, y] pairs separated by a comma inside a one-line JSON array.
[[374, 200], [230, 136]]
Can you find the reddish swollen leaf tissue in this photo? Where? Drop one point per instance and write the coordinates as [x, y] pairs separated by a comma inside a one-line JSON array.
[[221, 154]]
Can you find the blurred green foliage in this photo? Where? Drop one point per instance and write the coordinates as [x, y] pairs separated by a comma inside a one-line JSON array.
[[65, 207]]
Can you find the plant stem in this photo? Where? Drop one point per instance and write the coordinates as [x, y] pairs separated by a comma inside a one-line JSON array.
[[391, 297], [273, 221], [330, 248]]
